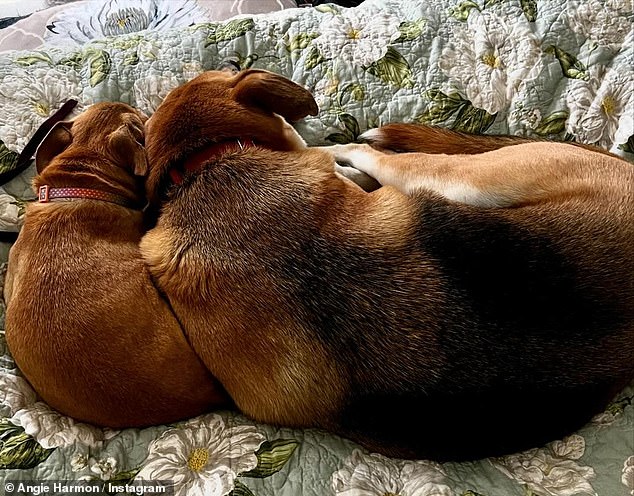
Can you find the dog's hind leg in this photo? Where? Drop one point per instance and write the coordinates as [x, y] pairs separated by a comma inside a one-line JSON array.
[[402, 138], [506, 177]]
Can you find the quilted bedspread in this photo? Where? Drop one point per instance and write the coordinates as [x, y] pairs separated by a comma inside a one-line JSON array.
[[558, 69]]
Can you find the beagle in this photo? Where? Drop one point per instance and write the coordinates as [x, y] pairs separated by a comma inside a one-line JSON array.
[[480, 301]]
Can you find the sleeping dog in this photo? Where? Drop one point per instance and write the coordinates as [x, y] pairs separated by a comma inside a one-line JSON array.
[[471, 306], [83, 321]]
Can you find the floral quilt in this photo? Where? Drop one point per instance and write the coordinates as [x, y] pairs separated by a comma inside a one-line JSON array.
[[557, 69]]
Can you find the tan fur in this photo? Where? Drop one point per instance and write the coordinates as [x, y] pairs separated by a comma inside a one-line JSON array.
[[84, 322], [400, 318], [508, 176]]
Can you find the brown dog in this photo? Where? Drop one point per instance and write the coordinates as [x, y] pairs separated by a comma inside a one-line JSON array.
[[84, 322], [473, 305]]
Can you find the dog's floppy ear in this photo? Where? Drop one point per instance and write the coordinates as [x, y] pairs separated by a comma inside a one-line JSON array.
[[276, 94], [54, 143], [127, 145]]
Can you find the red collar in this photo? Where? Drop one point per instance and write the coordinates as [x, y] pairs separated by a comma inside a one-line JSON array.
[[47, 194], [198, 159]]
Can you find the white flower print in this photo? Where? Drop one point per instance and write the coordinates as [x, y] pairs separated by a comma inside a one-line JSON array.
[[612, 413], [104, 468], [28, 97], [191, 70], [9, 213], [203, 456], [96, 19], [15, 393], [627, 476], [79, 461], [325, 88], [53, 430], [625, 128], [357, 39], [491, 59], [551, 471], [603, 23], [602, 108], [375, 475], [150, 91], [525, 118], [48, 427]]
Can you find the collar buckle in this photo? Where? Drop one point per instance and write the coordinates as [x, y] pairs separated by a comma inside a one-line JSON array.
[[43, 194]]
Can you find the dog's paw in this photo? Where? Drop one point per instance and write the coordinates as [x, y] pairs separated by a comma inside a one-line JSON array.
[[361, 157], [361, 179]]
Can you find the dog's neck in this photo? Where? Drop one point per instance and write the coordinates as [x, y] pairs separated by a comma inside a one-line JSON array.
[[198, 159], [75, 179], [47, 194]]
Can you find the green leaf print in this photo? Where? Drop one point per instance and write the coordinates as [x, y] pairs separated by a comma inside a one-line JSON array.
[[300, 41], [441, 107], [553, 124], [618, 406], [470, 119], [18, 450], [571, 67], [351, 125], [350, 132], [339, 138], [325, 8], [628, 146], [241, 490], [34, 58], [75, 61], [471, 493], [530, 9], [410, 30], [99, 63], [248, 61], [393, 69], [352, 90], [230, 31], [8, 159], [313, 58], [444, 108], [462, 11], [131, 59], [272, 456]]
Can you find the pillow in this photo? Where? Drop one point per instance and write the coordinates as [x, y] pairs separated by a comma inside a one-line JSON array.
[[79, 22]]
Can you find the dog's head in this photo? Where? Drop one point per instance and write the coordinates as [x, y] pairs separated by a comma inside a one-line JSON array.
[[218, 106], [112, 132]]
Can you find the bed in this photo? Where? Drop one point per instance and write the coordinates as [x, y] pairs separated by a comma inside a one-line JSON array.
[[556, 69]]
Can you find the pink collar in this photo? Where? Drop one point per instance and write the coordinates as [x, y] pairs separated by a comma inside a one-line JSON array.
[[198, 159], [47, 194]]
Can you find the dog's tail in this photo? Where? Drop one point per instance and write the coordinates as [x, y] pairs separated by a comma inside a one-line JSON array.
[[405, 138]]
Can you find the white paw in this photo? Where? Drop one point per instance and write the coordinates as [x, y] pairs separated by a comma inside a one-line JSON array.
[[361, 157]]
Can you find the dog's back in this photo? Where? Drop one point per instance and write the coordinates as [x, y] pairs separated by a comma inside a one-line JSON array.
[[530, 328]]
